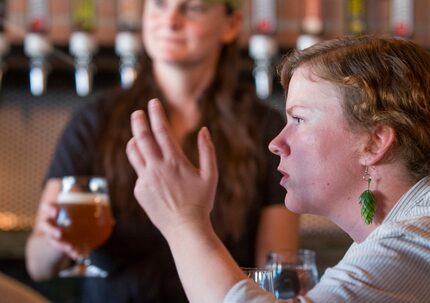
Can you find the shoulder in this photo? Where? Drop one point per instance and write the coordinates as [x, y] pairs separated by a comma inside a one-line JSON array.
[[95, 113], [406, 238], [391, 263], [99, 106]]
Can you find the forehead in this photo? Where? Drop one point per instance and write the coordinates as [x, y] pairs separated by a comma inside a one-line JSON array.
[[308, 90]]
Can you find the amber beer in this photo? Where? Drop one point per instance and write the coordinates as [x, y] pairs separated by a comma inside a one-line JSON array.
[[85, 218]]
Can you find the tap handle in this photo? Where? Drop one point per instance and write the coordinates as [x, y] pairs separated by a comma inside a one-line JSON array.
[[263, 75], [37, 48], [83, 47], [128, 74], [83, 79], [38, 76], [128, 47], [84, 15]]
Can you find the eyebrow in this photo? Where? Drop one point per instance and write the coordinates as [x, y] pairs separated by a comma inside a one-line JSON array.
[[294, 107]]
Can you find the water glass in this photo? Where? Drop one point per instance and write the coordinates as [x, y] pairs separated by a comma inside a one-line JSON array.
[[294, 272], [261, 276]]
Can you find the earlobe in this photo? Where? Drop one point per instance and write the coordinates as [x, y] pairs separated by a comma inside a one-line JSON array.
[[381, 140], [233, 28]]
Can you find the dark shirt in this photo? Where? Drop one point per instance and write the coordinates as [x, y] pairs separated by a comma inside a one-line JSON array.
[[138, 259]]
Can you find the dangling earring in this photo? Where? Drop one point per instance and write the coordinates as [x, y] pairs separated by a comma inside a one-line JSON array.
[[367, 200]]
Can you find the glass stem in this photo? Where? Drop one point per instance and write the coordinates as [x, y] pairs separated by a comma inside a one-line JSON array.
[[83, 262]]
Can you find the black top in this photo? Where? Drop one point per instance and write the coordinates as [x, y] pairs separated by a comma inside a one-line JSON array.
[[138, 259]]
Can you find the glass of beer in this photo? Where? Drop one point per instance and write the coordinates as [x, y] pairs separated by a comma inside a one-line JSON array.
[[85, 218]]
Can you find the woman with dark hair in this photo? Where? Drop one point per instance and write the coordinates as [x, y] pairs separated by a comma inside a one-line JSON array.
[[190, 63], [355, 149]]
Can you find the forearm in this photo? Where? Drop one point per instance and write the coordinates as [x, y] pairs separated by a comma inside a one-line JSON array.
[[205, 267], [43, 261]]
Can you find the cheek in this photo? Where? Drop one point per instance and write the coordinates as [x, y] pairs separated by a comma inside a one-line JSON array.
[[313, 160], [204, 36], [147, 29]]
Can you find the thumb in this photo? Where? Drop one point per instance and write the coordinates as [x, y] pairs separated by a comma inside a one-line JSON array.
[[207, 156]]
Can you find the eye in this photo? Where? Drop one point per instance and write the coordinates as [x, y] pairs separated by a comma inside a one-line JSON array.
[[195, 7], [297, 120], [158, 3]]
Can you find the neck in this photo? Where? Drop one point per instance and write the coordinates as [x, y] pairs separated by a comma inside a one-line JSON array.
[[183, 85], [388, 188]]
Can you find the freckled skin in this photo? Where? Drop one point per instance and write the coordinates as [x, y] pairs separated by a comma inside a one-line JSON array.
[[317, 149]]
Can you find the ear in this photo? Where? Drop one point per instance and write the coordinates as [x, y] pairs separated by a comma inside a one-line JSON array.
[[381, 139], [232, 28]]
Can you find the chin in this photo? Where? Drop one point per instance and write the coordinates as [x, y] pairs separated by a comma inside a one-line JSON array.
[[294, 205], [170, 59]]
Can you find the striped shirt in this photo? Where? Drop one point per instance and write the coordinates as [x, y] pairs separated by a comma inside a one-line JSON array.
[[391, 265]]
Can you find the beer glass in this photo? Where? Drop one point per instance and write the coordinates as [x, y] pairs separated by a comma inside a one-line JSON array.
[[85, 218], [294, 272]]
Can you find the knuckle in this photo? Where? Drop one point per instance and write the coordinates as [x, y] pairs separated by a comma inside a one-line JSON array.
[[144, 134]]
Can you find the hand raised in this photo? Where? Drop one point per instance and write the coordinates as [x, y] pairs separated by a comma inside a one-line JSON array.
[[169, 188]]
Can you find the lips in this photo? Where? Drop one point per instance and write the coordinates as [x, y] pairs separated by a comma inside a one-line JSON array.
[[284, 179]]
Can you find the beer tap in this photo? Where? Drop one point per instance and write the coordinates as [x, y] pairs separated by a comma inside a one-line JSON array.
[[82, 44], [263, 46], [402, 18], [128, 44], [312, 24], [356, 17], [37, 45], [4, 43]]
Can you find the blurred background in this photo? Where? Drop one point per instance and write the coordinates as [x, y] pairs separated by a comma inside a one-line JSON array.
[[56, 55]]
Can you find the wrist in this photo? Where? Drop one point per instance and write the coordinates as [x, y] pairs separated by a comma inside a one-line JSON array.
[[198, 225]]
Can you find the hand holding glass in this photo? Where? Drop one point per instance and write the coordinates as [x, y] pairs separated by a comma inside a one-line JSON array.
[[85, 218]]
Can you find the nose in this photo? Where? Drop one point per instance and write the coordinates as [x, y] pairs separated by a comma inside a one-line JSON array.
[[173, 17], [278, 145]]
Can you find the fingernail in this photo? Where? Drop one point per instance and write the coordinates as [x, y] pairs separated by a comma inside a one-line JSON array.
[[206, 133], [135, 114], [153, 102]]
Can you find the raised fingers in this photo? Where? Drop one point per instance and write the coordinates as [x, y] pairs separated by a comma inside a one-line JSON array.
[[161, 130], [207, 156], [134, 156], [143, 138]]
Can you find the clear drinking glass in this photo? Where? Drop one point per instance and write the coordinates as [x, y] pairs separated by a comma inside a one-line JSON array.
[[85, 217], [261, 276], [294, 272]]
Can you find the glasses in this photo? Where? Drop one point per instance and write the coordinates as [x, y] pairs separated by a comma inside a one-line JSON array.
[[261, 276], [85, 217], [294, 272]]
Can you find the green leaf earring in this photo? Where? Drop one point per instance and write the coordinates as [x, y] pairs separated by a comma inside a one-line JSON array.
[[367, 200]]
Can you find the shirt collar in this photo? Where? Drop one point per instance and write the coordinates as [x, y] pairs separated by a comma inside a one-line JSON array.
[[410, 199]]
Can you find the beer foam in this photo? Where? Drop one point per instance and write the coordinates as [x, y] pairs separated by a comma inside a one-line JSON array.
[[82, 198]]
